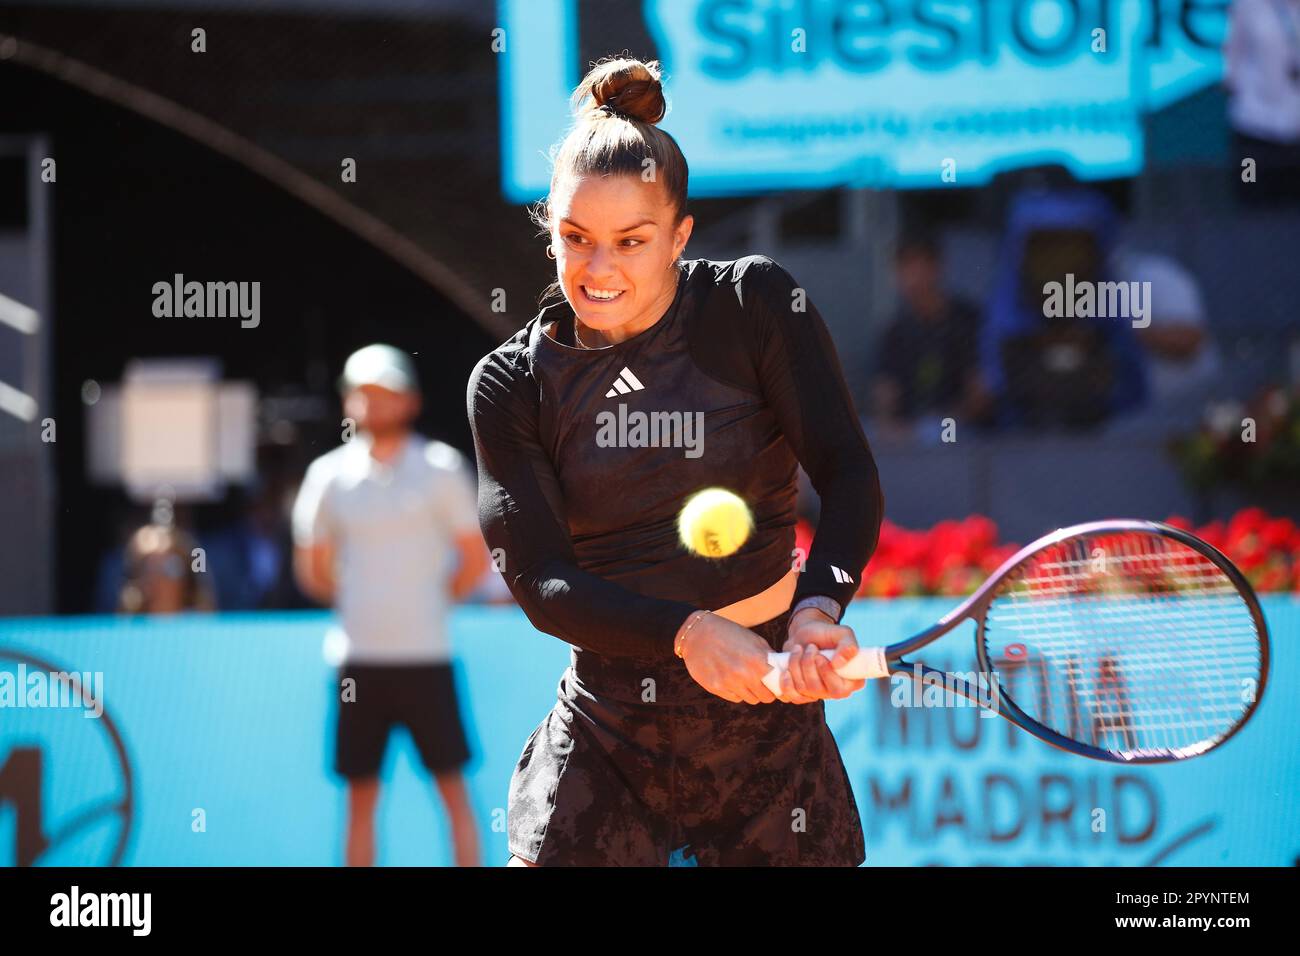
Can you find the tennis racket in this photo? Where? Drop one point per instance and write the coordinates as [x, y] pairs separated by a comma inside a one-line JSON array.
[[1125, 641]]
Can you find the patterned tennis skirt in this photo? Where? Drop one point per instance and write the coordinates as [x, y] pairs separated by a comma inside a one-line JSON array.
[[637, 763]]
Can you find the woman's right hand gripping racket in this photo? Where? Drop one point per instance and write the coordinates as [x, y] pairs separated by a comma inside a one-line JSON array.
[[1126, 641]]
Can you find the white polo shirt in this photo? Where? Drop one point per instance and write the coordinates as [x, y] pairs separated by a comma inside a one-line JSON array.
[[393, 528]]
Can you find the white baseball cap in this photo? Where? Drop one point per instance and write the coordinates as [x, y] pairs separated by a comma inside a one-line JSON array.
[[380, 365]]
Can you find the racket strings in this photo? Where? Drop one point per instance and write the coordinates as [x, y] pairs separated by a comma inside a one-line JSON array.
[[1130, 641]]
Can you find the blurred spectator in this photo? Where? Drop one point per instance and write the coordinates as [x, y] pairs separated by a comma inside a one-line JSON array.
[[250, 557], [1066, 370], [159, 575], [927, 361], [386, 529], [1182, 359], [1262, 73]]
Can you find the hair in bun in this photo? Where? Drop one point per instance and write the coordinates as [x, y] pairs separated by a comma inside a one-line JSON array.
[[628, 89]]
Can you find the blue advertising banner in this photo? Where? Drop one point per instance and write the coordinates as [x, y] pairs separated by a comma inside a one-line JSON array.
[[205, 741], [776, 94]]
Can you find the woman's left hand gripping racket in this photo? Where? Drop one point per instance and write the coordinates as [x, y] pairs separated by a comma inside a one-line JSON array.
[[1126, 641]]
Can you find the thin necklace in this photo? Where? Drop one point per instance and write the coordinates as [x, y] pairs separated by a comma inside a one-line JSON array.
[[577, 338]]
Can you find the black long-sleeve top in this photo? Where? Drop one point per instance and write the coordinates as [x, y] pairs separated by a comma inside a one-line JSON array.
[[581, 482]]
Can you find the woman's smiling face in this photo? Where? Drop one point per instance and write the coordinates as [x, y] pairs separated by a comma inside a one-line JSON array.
[[615, 242]]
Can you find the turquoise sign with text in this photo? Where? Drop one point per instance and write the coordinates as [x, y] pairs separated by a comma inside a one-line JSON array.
[[777, 94]]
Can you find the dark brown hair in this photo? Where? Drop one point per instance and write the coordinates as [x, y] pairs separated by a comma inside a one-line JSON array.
[[615, 108]]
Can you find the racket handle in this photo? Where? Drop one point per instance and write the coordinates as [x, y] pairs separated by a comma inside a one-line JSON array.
[[867, 664]]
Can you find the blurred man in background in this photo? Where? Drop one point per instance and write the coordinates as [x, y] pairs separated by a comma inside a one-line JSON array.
[[379, 524], [1066, 371], [927, 360], [1182, 358]]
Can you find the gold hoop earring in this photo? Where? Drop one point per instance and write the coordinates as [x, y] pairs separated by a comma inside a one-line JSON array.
[[550, 252]]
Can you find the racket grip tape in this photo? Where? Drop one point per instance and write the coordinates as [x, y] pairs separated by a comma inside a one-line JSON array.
[[867, 664]]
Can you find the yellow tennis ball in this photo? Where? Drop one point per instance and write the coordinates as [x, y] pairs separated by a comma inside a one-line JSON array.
[[714, 523]]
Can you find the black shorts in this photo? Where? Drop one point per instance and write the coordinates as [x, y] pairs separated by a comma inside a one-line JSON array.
[[421, 697], [636, 760]]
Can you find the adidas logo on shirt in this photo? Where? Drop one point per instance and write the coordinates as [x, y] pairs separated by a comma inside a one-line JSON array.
[[626, 382], [842, 576]]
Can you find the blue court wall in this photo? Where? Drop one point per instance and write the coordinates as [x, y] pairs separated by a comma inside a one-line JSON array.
[[214, 749]]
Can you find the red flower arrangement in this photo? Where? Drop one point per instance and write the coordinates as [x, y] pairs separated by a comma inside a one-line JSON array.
[[954, 558], [1266, 549]]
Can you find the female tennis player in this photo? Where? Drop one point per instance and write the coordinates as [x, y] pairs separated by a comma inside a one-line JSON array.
[[663, 737]]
